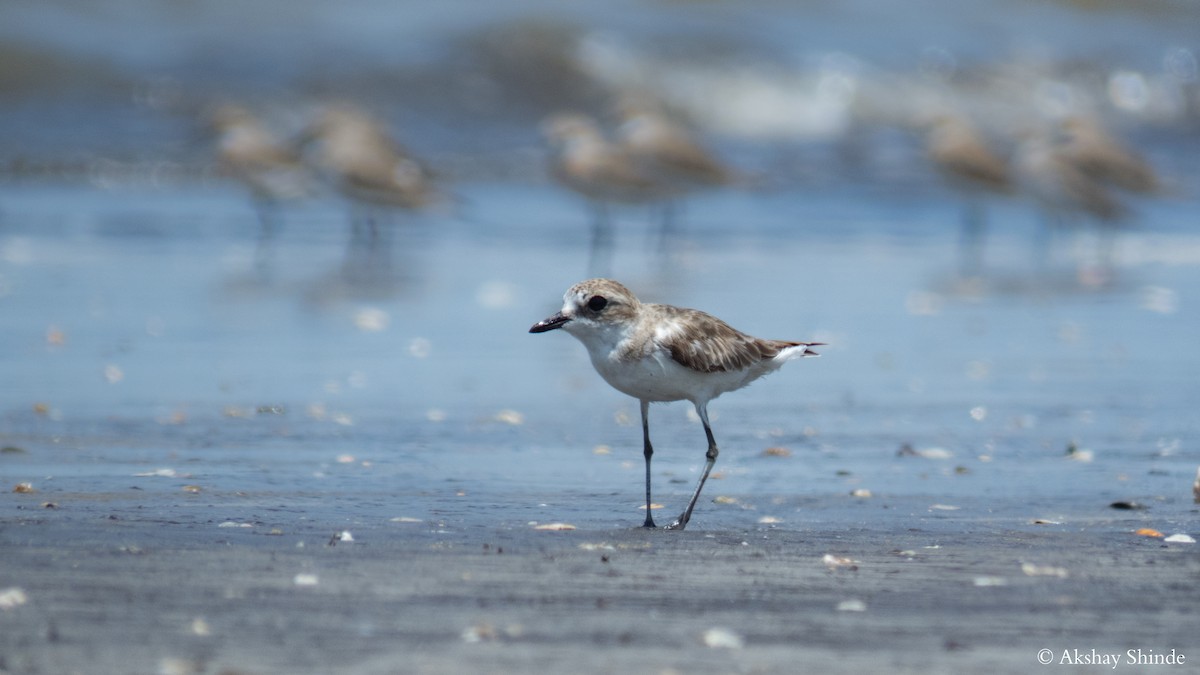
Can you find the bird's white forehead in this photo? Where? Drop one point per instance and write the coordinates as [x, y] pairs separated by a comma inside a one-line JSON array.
[[573, 298], [578, 295]]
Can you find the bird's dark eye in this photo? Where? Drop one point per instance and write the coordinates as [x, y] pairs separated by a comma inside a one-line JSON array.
[[597, 303]]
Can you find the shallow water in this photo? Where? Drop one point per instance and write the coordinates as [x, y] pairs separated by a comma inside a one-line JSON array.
[[146, 333], [148, 326]]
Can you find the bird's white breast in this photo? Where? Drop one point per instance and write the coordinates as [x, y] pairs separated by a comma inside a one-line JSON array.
[[655, 376]]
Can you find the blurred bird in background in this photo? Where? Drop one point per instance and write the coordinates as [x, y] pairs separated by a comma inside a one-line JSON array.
[[668, 152], [367, 165], [272, 169], [1068, 194], [602, 172], [971, 168], [376, 175]]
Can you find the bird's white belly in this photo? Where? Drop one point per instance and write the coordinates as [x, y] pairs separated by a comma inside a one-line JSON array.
[[656, 377]]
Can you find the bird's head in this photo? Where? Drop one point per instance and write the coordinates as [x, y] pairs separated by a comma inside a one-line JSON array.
[[591, 307]]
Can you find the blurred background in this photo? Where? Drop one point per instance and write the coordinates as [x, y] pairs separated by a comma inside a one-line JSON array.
[[987, 208], [466, 80], [791, 85]]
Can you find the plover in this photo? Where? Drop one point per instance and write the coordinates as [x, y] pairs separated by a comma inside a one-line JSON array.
[[667, 150], [658, 353], [367, 163], [272, 168], [248, 151], [377, 176], [604, 173], [961, 155], [1054, 178], [586, 162], [1067, 194]]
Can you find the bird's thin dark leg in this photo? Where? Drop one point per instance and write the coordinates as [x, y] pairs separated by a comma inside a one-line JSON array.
[[1106, 244], [602, 241], [668, 229], [647, 451], [1044, 239], [373, 227], [268, 219], [711, 457], [971, 241]]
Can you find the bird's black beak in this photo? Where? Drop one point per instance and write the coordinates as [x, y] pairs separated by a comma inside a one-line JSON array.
[[550, 323]]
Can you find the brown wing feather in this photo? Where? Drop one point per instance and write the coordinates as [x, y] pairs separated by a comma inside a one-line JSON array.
[[1087, 193], [974, 162], [711, 345], [693, 161], [1110, 165]]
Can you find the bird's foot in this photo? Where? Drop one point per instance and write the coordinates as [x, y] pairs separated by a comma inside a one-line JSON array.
[[677, 525]]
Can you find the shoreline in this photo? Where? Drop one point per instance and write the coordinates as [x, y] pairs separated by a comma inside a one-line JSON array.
[[141, 596]]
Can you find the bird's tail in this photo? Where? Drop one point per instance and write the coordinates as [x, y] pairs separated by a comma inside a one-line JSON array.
[[793, 350], [808, 348]]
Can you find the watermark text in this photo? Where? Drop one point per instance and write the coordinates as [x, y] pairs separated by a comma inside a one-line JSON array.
[[1095, 657]]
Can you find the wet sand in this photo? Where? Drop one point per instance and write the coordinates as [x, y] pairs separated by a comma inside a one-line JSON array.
[[947, 593]]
